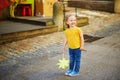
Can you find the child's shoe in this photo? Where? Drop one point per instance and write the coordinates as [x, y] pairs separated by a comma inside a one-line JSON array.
[[73, 73], [68, 72]]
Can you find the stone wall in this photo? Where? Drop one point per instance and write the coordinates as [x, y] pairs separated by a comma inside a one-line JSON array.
[[100, 5]]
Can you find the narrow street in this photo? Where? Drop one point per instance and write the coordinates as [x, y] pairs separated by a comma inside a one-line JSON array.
[[99, 62], [36, 58]]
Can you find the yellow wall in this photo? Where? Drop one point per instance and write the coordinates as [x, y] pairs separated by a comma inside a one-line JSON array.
[[117, 6], [48, 7]]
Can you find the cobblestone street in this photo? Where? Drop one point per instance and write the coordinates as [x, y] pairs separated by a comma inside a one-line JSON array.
[[36, 59], [30, 45]]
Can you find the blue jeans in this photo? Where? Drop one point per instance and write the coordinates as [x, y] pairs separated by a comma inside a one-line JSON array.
[[75, 56]]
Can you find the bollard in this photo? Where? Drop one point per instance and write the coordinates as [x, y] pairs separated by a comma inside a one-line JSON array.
[[58, 15]]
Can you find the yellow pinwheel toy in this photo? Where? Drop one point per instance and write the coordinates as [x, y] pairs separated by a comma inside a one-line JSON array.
[[63, 63]]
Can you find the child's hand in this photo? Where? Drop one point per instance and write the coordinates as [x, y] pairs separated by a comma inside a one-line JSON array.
[[82, 49]]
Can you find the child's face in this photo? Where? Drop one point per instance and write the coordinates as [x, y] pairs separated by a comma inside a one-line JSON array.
[[71, 21]]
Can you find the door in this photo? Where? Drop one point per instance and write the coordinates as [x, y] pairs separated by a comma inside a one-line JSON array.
[[38, 7], [0, 15]]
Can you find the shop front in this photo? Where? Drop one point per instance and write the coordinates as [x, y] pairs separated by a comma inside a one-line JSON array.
[[22, 8]]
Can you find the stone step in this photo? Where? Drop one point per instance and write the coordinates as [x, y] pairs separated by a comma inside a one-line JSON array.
[[33, 20], [82, 21], [19, 35]]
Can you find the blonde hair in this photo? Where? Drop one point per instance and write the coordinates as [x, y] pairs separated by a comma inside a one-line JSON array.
[[66, 18]]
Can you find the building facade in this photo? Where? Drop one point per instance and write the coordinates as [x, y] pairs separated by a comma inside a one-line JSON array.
[[42, 8]]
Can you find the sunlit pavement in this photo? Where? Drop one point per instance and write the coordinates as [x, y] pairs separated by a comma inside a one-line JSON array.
[[99, 62]]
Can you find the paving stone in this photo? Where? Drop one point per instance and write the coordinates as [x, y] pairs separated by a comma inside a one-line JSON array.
[[22, 47]]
